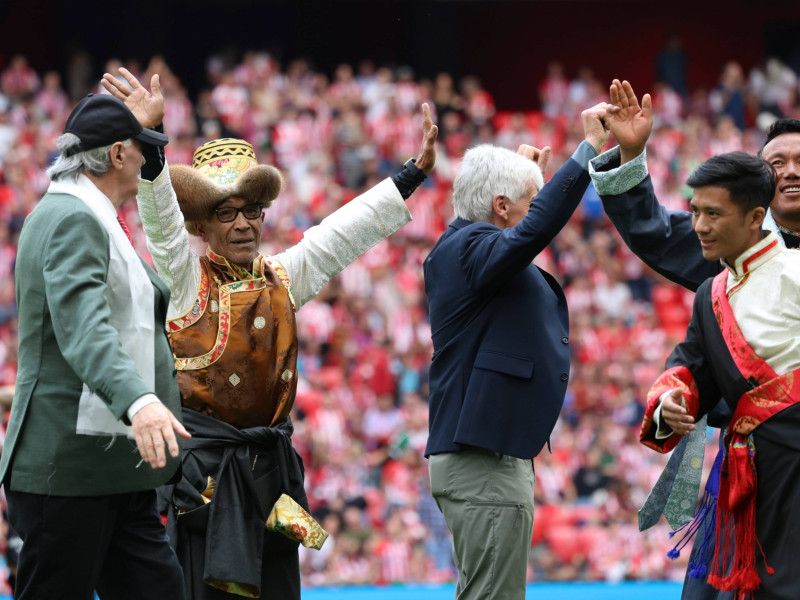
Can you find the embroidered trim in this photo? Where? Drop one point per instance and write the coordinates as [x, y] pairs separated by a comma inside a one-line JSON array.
[[245, 286], [746, 359], [788, 231], [762, 402], [280, 271], [620, 179], [676, 377], [739, 285], [756, 255], [235, 271], [198, 308], [201, 362], [746, 270]]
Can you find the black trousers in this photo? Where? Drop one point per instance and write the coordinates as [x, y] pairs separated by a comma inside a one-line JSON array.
[[72, 546]]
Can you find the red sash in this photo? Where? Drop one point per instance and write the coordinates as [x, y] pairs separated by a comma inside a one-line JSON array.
[[736, 543]]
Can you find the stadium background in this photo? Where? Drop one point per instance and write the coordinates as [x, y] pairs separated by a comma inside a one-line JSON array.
[[361, 419]]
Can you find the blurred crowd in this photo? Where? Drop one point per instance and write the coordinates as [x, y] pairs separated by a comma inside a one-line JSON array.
[[361, 410]]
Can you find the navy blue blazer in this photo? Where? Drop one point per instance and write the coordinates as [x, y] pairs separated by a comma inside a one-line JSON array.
[[500, 328]]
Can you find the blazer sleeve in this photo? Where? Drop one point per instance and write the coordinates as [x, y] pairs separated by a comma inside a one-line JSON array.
[[663, 239], [75, 268], [489, 255]]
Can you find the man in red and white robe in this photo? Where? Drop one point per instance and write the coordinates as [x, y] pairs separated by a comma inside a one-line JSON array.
[[743, 344]]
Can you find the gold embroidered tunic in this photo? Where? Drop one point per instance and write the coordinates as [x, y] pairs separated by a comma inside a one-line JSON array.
[[236, 349], [233, 332]]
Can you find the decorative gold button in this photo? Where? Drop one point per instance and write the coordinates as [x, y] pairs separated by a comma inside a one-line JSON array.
[[287, 375], [259, 322]]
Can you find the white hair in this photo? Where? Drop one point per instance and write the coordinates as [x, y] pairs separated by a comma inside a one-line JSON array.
[[70, 164], [488, 171]]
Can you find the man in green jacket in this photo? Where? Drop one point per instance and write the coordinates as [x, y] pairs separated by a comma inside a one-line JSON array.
[[96, 393]]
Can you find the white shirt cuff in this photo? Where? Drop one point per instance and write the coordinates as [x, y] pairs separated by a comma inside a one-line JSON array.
[[140, 403], [663, 431]]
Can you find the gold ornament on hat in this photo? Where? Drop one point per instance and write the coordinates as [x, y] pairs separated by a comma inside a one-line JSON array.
[[222, 169], [224, 160]]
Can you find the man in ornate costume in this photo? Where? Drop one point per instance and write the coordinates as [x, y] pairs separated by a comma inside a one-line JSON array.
[[232, 327], [742, 344], [666, 241]]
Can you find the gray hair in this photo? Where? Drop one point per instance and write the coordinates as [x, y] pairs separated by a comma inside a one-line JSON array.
[[70, 164], [488, 171]]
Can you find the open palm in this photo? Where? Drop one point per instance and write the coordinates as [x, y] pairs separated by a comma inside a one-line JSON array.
[[147, 107], [630, 124], [427, 153]]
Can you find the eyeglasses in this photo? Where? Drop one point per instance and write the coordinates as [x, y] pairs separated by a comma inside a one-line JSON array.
[[228, 214]]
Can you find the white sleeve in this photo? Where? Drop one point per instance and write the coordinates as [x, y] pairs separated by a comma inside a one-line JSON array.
[[341, 238], [168, 241], [140, 403], [663, 431]]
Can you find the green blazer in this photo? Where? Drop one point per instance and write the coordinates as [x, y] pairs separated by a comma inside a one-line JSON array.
[[66, 339]]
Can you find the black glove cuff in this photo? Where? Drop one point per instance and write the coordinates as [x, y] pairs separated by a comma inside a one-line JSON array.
[[409, 179], [154, 158]]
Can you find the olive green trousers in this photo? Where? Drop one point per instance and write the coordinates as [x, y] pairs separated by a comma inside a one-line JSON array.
[[487, 502]]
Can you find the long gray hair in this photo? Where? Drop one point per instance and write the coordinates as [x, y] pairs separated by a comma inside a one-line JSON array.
[[70, 164]]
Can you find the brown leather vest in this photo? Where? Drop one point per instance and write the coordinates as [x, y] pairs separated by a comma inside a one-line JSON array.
[[236, 349]]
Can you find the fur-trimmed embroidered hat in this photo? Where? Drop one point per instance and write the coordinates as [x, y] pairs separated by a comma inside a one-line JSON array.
[[220, 169]]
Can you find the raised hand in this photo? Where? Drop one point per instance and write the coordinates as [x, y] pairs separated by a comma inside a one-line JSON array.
[[532, 153], [630, 124], [147, 107], [427, 152], [595, 124]]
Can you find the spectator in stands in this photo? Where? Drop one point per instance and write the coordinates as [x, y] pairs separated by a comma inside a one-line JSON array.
[[516, 132], [728, 97], [671, 66], [775, 86], [584, 90], [19, 80], [554, 90], [479, 104]]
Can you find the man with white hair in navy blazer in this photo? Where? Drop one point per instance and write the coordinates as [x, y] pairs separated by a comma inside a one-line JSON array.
[[501, 352]]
